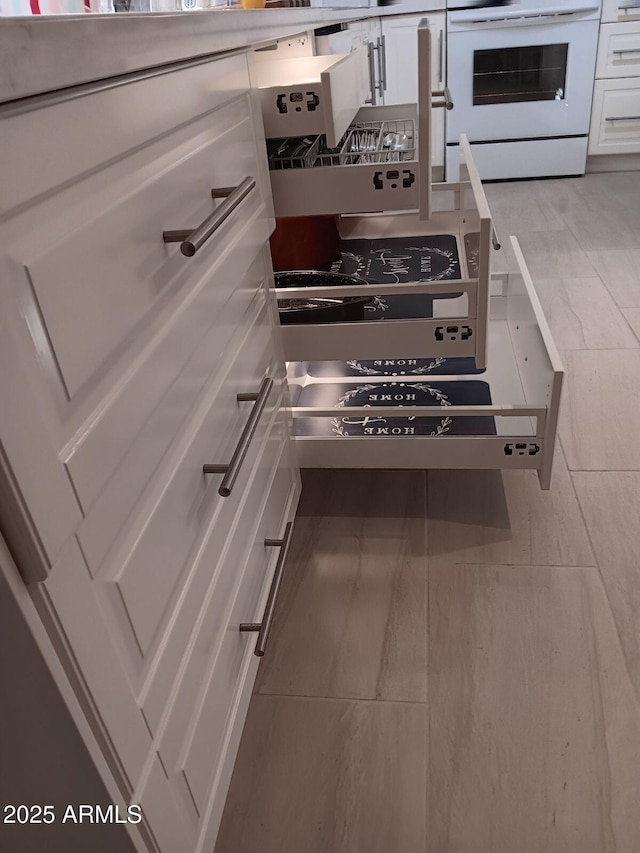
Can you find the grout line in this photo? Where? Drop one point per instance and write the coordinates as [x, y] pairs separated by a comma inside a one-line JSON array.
[[368, 701], [472, 564], [604, 588]]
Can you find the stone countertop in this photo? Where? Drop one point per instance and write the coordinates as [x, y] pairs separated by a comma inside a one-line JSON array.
[[44, 54]]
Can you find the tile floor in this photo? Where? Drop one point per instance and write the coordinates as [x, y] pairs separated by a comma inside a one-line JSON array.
[[456, 663]]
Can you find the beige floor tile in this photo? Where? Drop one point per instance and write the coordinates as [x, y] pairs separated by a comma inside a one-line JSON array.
[[328, 776], [554, 254], [597, 229], [620, 272], [351, 620], [610, 191], [610, 502], [494, 517], [632, 316], [534, 732], [513, 217], [553, 197], [582, 314], [600, 410]]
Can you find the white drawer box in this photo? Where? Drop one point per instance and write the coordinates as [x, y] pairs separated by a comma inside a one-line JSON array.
[[618, 50], [620, 11], [347, 183], [363, 173], [615, 119], [314, 94], [462, 211], [524, 375]]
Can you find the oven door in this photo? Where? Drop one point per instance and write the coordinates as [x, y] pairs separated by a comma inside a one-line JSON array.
[[525, 78]]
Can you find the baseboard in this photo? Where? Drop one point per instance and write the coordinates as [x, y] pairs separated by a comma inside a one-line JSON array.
[[613, 163]]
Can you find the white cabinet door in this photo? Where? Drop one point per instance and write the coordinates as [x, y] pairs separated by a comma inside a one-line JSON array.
[[400, 46]]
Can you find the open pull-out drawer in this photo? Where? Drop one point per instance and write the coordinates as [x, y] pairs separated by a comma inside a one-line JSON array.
[[454, 297], [372, 165], [346, 413], [312, 94]]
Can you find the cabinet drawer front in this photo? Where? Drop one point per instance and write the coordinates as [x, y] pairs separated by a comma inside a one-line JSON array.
[[110, 268], [122, 117], [181, 505], [619, 10], [380, 339], [213, 580], [149, 404], [313, 94], [193, 742], [615, 120], [619, 50]]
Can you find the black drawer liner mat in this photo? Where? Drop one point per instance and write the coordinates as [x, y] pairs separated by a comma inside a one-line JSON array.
[[410, 367], [401, 394], [398, 260]]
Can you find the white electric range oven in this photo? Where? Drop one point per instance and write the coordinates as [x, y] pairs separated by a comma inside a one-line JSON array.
[[521, 75]]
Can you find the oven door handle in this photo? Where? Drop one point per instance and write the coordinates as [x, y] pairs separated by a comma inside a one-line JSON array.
[[518, 19]]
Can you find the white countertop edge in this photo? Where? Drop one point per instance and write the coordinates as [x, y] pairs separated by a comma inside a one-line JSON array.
[[44, 54]]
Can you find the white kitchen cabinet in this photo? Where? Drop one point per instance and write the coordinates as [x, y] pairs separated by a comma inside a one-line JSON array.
[[615, 117], [147, 474], [148, 480], [400, 42]]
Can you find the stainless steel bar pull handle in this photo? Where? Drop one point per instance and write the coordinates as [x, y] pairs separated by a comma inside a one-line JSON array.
[[263, 628], [195, 238], [232, 469], [447, 101], [624, 50], [380, 83], [382, 64], [372, 75], [495, 239], [622, 118]]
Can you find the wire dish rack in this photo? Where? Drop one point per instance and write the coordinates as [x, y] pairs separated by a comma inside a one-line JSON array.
[[365, 142]]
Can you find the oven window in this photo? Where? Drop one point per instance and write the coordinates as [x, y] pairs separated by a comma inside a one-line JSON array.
[[511, 74]]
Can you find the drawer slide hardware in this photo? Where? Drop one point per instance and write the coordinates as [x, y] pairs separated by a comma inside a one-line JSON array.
[[192, 240], [232, 469], [263, 628]]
